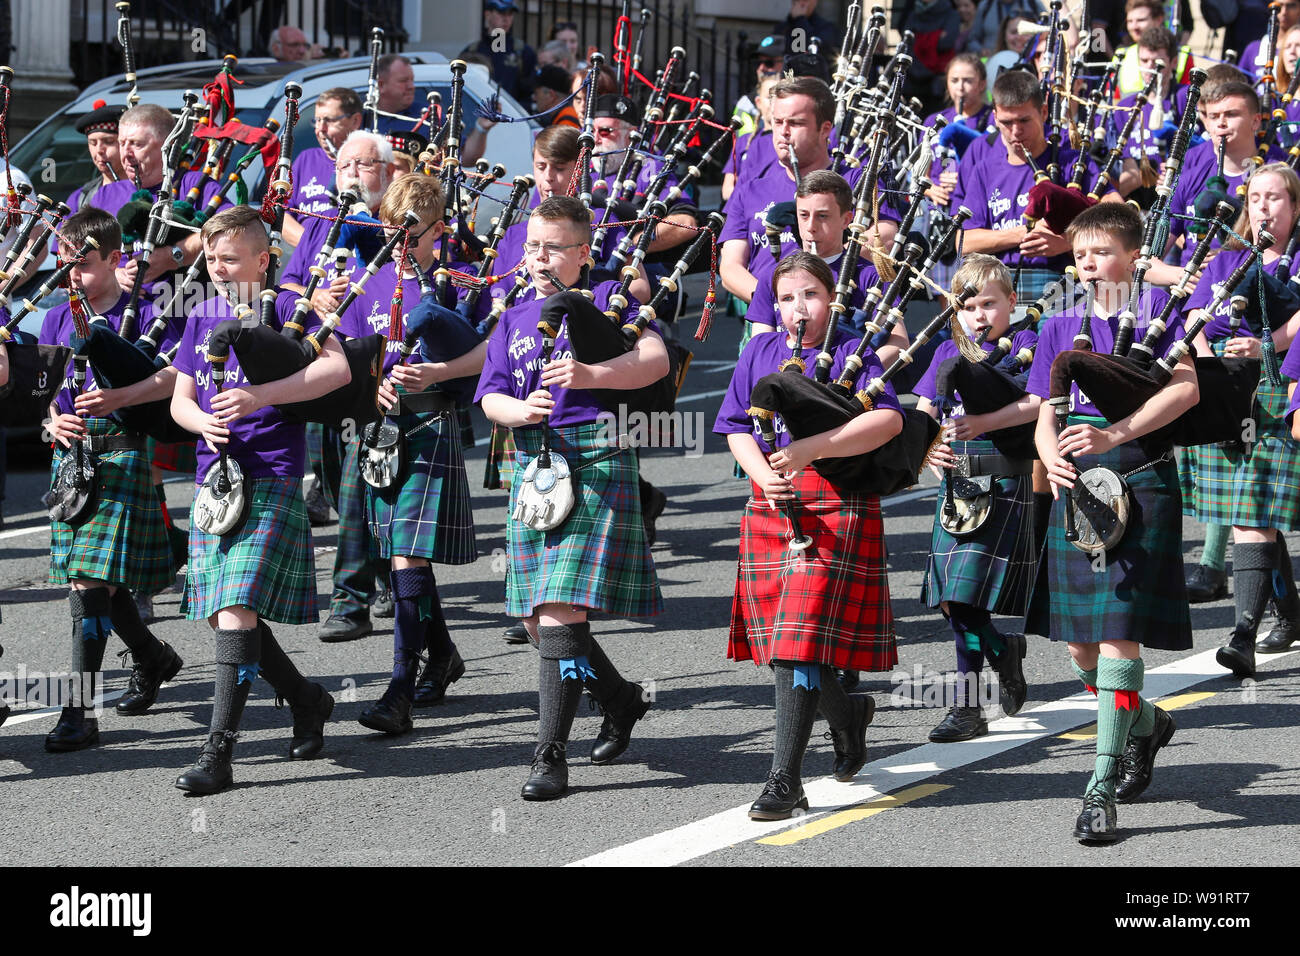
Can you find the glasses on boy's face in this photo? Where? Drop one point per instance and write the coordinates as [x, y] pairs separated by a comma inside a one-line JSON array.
[[550, 248]]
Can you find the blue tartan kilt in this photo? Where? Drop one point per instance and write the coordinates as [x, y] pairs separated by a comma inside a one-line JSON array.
[[1257, 486], [598, 558], [994, 568], [427, 514], [266, 564], [1135, 591], [125, 541]]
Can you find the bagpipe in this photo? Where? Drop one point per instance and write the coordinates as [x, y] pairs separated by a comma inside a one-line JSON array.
[[518, 195], [985, 385], [35, 371], [1119, 384], [71, 497], [811, 405], [445, 335]]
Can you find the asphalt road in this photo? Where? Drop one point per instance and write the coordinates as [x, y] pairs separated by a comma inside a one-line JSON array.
[[1225, 791]]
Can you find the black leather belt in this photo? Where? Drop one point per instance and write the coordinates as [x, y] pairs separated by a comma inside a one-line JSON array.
[[423, 403], [100, 444], [972, 466]]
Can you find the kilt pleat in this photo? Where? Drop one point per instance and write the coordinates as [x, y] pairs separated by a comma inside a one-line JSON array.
[[1137, 593], [1255, 488], [598, 558], [994, 568], [826, 605], [267, 564], [498, 471], [427, 514], [125, 542]]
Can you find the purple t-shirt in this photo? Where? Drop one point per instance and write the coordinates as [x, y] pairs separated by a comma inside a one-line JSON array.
[[265, 443], [1215, 274], [764, 354], [754, 156], [970, 160], [56, 329], [926, 387], [997, 192], [1142, 141], [514, 360], [1250, 63], [371, 312], [1056, 335], [314, 231], [114, 196], [763, 309], [313, 174], [1200, 163], [980, 121], [749, 204]]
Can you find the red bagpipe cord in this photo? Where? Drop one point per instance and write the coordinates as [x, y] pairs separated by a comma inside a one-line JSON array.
[[395, 332], [12, 215]]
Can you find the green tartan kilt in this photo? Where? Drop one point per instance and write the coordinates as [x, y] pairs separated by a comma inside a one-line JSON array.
[[598, 558], [427, 514], [266, 564], [1257, 488], [1137, 593], [499, 469], [994, 568], [125, 542]]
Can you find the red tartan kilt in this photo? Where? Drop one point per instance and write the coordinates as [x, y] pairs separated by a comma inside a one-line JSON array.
[[826, 605]]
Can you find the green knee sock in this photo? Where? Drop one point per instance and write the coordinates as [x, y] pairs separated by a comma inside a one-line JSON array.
[[1216, 546], [1089, 678], [1118, 704], [1145, 721]]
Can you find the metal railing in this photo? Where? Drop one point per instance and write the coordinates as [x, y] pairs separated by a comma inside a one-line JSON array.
[[172, 31]]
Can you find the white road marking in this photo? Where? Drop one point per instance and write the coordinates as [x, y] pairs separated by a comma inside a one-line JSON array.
[[730, 827], [26, 716]]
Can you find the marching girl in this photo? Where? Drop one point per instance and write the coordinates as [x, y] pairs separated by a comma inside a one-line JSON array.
[[424, 516], [829, 607], [597, 559], [1109, 606], [989, 571], [1254, 487]]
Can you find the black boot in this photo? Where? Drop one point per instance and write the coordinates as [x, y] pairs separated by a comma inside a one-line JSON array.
[[1238, 655], [1280, 638], [1096, 822], [850, 744], [549, 777], [1012, 686], [147, 677], [781, 796], [621, 716], [1205, 584], [1140, 758], [212, 773], [517, 634], [391, 714], [962, 723], [74, 731], [310, 712], [849, 679], [436, 677]]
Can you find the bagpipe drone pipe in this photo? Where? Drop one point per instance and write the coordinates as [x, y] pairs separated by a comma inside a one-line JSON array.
[[1119, 384], [988, 385]]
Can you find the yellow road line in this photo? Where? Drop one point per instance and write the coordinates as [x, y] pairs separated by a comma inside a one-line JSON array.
[[1169, 703], [869, 809]]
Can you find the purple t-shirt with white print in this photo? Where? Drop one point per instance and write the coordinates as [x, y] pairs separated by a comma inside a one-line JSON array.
[[265, 443], [313, 175], [1216, 273], [764, 354], [763, 309], [1056, 335], [514, 360]]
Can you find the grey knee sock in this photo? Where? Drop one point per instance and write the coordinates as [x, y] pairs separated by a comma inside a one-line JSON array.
[[834, 704], [558, 697], [89, 609], [607, 685], [1252, 582], [238, 652], [796, 709]]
